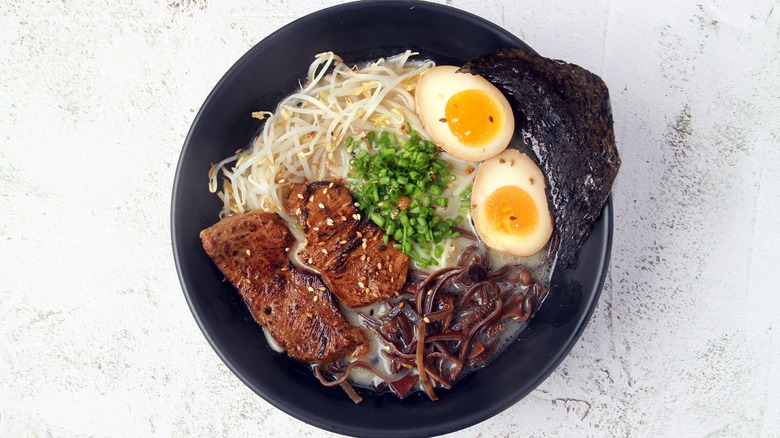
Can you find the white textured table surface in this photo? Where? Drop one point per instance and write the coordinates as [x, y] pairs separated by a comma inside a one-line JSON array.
[[96, 338]]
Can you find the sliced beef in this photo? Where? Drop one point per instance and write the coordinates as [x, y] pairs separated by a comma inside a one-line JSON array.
[[296, 308], [353, 260]]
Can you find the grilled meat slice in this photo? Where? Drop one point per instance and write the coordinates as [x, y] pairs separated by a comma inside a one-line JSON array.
[[248, 247], [374, 270], [563, 116], [296, 308], [353, 260]]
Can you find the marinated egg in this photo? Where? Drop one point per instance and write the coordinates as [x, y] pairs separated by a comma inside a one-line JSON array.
[[509, 204], [466, 115]]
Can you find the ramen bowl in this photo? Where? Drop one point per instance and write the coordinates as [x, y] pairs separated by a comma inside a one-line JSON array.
[[258, 81]]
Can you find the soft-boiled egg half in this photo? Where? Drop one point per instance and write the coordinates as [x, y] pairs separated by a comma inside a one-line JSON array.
[[509, 204], [466, 115]]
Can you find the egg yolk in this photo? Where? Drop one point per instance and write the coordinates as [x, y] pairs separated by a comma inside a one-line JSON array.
[[473, 116], [511, 210]]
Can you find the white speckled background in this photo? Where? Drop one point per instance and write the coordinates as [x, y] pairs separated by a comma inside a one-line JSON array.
[[96, 338]]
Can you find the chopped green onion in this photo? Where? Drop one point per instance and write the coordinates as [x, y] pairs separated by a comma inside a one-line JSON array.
[[398, 182], [377, 219]]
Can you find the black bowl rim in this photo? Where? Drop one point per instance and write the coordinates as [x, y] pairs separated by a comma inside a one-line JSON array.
[[423, 430]]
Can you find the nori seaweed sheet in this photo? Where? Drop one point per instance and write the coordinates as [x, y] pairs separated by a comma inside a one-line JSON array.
[[563, 115]]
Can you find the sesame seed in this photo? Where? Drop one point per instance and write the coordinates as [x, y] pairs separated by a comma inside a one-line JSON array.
[[281, 180], [357, 204], [343, 218], [310, 260], [330, 185], [297, 211], [335, 323], [359, 234], [311, 289], [329, 221], [321, 243], [316, 298], [324, 251], [390, 268], [427, 321], [316, 228], [300, 196], [376, 294], [369, 290], [321, 205], [430, 291], [342, 242], [248, 252], [309, 314], [364, 245], [363, 258], [379, 265], [325, 191], [361, 284], [362, 277], [311, 198], [322, 288]]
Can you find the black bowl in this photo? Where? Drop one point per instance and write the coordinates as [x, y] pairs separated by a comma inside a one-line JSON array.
[[268, 72]]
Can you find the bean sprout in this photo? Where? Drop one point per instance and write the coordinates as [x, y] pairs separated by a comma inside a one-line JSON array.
[[303, 139]]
